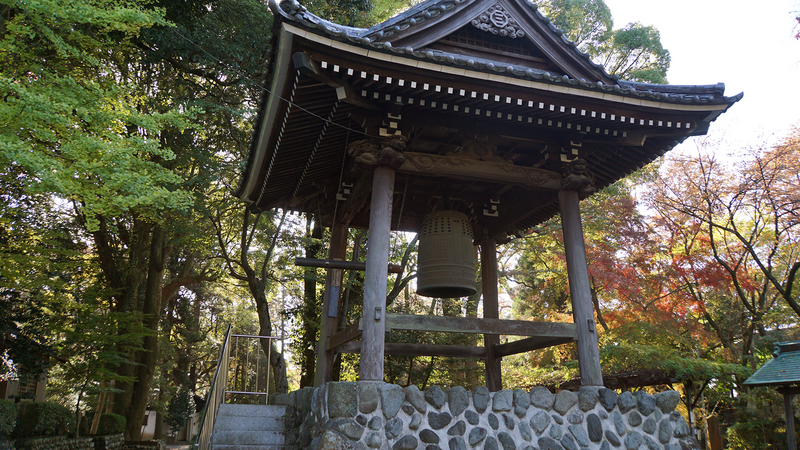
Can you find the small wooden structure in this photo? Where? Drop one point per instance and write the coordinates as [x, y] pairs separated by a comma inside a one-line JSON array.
[[783, 373], [482, 102]]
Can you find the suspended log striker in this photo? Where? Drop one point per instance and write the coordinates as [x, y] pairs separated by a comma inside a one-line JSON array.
[[482, 102]]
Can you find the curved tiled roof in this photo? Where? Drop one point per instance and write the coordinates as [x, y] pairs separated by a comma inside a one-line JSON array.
[[782, 369], [375, 38]]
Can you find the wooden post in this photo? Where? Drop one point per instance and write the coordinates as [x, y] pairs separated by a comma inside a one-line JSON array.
[[788, 393], [374, 314], [580, 289], [491, 310], [330, 306], [714, 434]]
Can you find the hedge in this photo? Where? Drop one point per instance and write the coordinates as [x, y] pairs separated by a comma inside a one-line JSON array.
[[111, 424], [8, 417], [43, 419]]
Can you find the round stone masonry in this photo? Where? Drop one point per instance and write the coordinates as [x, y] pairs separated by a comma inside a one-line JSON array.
[[380, 416]]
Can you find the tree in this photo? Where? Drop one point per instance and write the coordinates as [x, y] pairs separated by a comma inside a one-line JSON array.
[[588, 23], [249, 247], [180, 410], [104, 106], [633, 52], [747, 217], [74, 126]]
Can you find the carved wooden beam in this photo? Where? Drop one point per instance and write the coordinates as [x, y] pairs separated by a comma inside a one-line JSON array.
[[470, 169]]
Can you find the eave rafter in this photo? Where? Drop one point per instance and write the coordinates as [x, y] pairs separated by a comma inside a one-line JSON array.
[[384, 82]]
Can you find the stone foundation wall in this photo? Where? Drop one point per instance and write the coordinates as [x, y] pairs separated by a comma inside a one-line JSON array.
[[109, 442], [54, 443], [365, 415]]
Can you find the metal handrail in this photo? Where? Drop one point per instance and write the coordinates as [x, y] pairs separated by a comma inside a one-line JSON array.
[[269, 358], [218, 390], [216, 396]]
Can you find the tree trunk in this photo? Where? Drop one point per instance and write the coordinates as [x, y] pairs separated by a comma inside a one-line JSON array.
[[257, 290], [311, 307], [149, 353], [126, 301]]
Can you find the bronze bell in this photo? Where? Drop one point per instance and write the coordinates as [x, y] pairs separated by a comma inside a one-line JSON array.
[[446, 264]]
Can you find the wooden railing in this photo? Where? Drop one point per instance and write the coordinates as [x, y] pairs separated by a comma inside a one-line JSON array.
[[537, 335]]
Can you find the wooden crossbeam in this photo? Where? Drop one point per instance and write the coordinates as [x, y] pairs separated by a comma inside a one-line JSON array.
[[474, 325], [404, 349], [528, 344], [338, 264], [350, 333]]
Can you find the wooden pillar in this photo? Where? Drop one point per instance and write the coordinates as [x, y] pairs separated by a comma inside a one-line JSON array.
[[788, 393], [580, 289], [374, 314], [330, 306], [491, 310]]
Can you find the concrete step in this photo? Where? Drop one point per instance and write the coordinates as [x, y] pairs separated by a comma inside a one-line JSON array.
[[251, 410], [239, 437], [249, 427], [249, 423]]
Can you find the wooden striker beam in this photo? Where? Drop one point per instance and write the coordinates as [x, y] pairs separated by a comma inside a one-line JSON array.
[[474, 325]]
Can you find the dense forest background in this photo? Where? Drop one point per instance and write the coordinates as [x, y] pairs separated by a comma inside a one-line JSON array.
[[124, 126]]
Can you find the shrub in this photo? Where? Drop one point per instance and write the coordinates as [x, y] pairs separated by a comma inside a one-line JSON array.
[[180, 410], [8, 417], [43, 419], [111, 424], [757, 435]]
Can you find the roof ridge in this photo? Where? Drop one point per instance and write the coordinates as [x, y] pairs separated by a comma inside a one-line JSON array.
[[293, 11]]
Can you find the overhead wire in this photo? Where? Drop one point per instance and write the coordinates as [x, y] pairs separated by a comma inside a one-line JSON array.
[[265, 89]]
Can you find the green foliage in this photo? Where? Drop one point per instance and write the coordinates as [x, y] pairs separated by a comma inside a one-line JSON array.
[[633, 357], [633, 52], [73, 128], [346, 12], [358, 13], [588, 23], [8, 417], [180, 410], [111, 423], [757, 434], [43, 419]]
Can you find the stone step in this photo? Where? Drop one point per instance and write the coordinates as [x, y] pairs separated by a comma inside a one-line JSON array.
[[251, 410], [249, 423], [239, 437], [247, 447]]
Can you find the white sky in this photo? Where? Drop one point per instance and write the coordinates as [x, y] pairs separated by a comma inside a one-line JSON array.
[[749, 46]]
